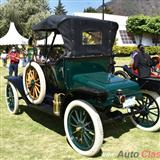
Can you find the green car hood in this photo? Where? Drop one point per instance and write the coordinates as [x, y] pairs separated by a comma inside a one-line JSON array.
[[106, 82]]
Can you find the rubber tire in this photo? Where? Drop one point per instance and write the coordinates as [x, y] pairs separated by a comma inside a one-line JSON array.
[[96, 122], [16, 110], [122, 73], [156, 127], [42, 94]]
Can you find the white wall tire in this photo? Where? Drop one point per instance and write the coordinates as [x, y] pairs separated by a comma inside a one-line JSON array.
[[34, 83], [11, 96], [121, 74], [151, 114], [83, 128]]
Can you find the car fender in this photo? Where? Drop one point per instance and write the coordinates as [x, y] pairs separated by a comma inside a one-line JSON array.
[[17, 81]]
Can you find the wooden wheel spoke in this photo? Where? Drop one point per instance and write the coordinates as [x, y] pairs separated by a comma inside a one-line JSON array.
[[28, 78], [29, 85], [36, 80], [31, 91], [36, 94], [36, 75], [37, 84], [29, 72], [37, 90]]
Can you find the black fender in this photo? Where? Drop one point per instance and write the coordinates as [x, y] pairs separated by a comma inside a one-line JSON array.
[[17, 81], [150, 84]]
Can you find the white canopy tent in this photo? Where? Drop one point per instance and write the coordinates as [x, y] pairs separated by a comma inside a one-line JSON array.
[[58, 40], [13, 37]]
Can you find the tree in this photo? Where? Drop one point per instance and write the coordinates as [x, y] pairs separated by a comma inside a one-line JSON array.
[[137, 25], [154, 28], [90, 10], [60, 10], [24, 14], [4, 23], [108, 10]]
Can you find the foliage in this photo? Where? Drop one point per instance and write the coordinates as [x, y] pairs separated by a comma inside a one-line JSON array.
[[152, 49], [60, 10], [126, 50], [108, 10], [140, 24], [153, 26], [123, 50], [137, 25], [90, 10], [24, 14]]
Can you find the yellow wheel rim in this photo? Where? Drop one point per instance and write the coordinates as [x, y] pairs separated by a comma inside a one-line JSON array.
[[32, 83]]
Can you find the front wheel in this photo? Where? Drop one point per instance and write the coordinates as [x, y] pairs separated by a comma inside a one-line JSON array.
[[149, 117], [83, 128]]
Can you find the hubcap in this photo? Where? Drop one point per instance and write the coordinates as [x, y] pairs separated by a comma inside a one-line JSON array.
[[32, 83]]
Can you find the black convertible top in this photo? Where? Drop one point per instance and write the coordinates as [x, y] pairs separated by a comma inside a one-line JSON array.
[[71, 28]]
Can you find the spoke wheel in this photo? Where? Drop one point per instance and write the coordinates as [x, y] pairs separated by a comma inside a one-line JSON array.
[[11, 96], [83, 128], [149, 117], [122, 74], [34, 83]]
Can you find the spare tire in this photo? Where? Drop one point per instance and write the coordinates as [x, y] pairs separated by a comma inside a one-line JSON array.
[[34, 83]]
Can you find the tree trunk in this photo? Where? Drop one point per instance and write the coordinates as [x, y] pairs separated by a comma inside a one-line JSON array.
[[140, 38]]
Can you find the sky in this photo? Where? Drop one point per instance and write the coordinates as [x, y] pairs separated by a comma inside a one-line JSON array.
[[73, 6]]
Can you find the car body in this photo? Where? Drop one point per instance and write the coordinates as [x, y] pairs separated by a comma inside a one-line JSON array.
[[78, 85]]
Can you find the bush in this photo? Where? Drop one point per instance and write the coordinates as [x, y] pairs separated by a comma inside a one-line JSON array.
[[152, 50], [126, 50]]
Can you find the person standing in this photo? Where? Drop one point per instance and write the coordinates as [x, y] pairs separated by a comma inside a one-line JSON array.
[[31, 50], [30, 53], [14, 60], [142, 62], [4, 58]]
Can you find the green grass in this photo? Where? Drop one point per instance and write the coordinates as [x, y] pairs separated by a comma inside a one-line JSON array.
[[34, 135]]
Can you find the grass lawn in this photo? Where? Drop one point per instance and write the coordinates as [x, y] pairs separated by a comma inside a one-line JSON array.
[[34, 135]]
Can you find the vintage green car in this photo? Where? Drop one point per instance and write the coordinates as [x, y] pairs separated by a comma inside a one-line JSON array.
[[75, 82]]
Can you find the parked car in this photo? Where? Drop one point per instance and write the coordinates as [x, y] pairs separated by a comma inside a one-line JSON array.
[[78, 84]]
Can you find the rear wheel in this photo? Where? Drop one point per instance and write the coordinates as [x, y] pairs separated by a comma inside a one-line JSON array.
[[83, 128], [149, 117], [34, 83], [121, 74], [11, 96]]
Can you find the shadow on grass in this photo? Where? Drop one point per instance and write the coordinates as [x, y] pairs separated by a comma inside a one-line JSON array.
[[117, 128], [111, 129], [51, 122]]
